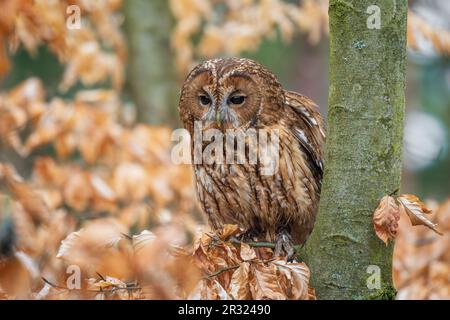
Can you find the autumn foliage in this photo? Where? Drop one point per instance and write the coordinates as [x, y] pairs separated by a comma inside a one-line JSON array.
[[422, 257], [90, 204], [103, 197]]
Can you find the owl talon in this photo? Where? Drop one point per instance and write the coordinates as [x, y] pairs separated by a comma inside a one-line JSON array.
[[284, 245]]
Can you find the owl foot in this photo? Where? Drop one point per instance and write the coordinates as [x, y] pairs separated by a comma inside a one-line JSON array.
[[284, 245]]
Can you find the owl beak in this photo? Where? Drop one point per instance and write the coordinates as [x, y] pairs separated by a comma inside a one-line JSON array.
[[221, 112], [218, 118]]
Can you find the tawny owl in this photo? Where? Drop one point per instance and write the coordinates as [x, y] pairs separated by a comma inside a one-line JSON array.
[[240, 94]]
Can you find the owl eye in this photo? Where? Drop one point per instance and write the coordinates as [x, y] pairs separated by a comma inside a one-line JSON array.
[[237, 99], [204, 100]]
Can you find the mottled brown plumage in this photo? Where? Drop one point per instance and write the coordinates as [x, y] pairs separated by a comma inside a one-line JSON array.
[[240, 94]]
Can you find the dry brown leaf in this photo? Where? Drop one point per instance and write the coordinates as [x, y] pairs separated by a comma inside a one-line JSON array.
[[130, 180], [112, 288], [312, 294], [96, 246], [143, 239], [239, 285], [209, 290], [247, 252], [15, 279], [416, 211], [101, 188], [297, 276], [264, 282], [4, 61], [77, 190], [385, 219], [30, 200], [228, 231], [67, 244]]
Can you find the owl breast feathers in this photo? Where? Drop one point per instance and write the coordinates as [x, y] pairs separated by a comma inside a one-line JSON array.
[[240, 94]]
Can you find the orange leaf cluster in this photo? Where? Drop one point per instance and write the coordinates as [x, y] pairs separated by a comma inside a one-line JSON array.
[[422, 258], [241, 272], [81, 207], [387, 215], [105, 177], [419, 30], [112, 264], [92, 53], [106, 199], [231, 27], [127, 165], [118, 266]]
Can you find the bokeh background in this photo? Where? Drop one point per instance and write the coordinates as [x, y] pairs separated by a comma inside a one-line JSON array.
[[87, 114]]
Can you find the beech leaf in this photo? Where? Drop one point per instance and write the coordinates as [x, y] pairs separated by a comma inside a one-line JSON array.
[[416, 210], [297, 275], [264, 284], [239, 287], [247, 252], [385, 219]]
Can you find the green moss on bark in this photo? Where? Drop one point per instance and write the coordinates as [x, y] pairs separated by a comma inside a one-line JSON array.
[[364, 145]]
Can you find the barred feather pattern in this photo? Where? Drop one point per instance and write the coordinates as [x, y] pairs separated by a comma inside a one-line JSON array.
[[239, 193]]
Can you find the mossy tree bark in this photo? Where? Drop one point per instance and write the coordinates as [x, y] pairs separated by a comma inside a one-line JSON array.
[[151, 74], [363, 149]]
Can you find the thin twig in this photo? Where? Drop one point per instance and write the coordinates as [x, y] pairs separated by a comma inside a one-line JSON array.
[[89, 290], [101, 277], [216, 273], [394, 192], [262, 244]]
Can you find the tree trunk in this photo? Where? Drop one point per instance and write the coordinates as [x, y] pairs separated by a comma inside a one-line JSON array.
[[363, 150], [151, 74]]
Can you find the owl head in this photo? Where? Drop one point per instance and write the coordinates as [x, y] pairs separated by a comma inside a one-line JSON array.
[[230, 93]]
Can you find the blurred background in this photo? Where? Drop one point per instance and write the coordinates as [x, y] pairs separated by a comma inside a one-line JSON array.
[[89, 94]]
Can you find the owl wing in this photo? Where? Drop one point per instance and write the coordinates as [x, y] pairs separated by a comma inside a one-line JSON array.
[[308, 129]]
